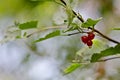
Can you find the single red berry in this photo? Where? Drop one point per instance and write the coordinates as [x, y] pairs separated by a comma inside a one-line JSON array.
[[91, 36], [84, 39], [89, 43]]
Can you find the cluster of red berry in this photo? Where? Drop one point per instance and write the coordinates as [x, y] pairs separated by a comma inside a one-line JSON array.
[[88, 39]]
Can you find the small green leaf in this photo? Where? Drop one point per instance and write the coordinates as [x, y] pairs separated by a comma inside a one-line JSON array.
[[90, 23], [25, 34], [28, 25], [50, 35], [26, 59], [70, 15], [73, 27], [18, 37], [116, 28], [107, 52], [72, 67]]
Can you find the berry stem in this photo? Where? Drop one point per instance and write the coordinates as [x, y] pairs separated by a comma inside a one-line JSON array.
[[76, 33]]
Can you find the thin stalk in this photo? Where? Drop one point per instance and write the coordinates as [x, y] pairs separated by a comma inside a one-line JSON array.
[[106, 37], [109, 59], [44, 29]]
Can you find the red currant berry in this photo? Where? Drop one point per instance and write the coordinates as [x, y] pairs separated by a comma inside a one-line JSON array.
[[84, 39], [89, 43], [91, 36]]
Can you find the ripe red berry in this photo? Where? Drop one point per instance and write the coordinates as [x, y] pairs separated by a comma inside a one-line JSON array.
[[89, 43], [91, 36], [84, 39]]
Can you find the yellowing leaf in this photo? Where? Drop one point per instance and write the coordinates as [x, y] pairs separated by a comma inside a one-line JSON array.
[[72, 67]]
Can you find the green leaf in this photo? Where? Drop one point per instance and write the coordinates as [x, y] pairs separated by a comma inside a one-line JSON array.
[[50, 35], [28, 25], [18, 37], [26, 59], [116, 28], [73, 27], [25, 34], [97, 46], [70, 15], [107, 52], [85, 52], [72, 67], [90, 23]]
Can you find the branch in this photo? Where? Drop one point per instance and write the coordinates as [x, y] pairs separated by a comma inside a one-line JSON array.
[[109, 59], [95, 30], [79, 18], [63, 2], [76, 33], [73, 33], [44, 29]]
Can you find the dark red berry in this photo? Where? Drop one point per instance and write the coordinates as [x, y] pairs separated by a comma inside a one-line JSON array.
[[91, 36], [84, 39], [89, 43]]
